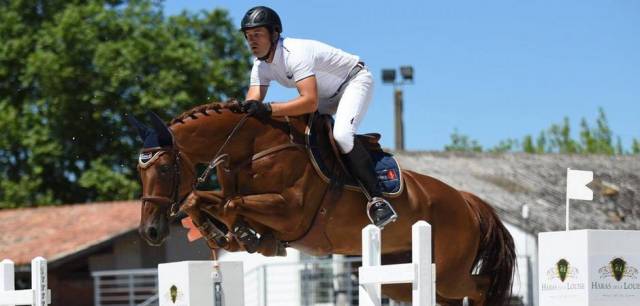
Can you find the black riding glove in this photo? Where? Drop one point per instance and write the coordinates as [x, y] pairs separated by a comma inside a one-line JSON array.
[[257, 109]]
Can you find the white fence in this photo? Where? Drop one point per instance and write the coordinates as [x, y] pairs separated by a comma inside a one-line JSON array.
[[38, 295], [420, 272]]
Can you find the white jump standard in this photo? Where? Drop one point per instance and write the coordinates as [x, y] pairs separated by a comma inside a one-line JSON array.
[[420, 272], [38, 295], [201, 283]]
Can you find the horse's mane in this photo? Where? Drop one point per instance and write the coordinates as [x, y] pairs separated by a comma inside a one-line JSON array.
[[231, 104]]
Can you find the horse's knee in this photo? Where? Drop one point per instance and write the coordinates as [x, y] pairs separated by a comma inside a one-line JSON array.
[[190, 203]]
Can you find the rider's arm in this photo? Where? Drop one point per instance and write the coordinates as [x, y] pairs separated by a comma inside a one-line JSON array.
[[306, 102], [256, 92]]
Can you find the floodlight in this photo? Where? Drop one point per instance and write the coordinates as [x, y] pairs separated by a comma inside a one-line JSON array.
[[388, 75], [407, 72]]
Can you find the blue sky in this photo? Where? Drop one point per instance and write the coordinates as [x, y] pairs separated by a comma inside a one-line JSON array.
[[491, 69]]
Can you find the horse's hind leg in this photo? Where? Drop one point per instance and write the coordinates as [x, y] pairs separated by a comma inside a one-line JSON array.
[[402, 293], [474, 287], [482, 283], [448, 302]]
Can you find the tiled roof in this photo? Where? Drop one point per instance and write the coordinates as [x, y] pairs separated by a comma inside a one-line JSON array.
[[54, 232], [507, 181]]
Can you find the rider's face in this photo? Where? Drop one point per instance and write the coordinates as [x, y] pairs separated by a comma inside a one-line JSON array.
[[258, 40]]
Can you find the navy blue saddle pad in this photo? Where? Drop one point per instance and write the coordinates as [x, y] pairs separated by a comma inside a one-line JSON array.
[[386, 166]]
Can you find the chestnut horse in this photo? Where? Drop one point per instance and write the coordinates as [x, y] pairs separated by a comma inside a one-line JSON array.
[[268, 180]]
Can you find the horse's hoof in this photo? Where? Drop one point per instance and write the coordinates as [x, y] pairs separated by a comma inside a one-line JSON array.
[[281, 250]]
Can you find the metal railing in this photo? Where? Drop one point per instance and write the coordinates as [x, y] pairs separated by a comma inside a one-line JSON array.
[[126, 287], [310, 282]]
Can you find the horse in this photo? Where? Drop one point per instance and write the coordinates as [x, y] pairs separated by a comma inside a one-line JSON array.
[[269, 182]]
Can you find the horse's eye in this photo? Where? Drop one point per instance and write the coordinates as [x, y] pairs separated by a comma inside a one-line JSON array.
[[164, 169]]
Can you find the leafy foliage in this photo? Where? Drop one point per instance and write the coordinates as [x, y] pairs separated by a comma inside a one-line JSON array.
[[70, 71], [462, 143], [556, 139]]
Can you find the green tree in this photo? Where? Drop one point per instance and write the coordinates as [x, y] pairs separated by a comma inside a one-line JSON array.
[[527, 144], [462, 143], [70, 70], [508, 145], [560, 138], [635, 146], [541, 143], [598, 140], [603, 134]]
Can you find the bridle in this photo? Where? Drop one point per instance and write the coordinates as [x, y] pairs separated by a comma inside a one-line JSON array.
[[174, 201]]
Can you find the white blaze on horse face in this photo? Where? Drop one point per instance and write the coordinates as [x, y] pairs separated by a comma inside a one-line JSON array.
[[147, 158]]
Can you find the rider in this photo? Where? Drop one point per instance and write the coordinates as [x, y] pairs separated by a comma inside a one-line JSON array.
[[328, 80]]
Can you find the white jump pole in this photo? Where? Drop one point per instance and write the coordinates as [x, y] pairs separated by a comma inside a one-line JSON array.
[[420, 272]]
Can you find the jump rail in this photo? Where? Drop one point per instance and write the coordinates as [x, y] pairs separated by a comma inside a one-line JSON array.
[[420, 272]]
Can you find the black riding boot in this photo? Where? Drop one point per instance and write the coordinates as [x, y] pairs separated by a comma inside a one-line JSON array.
[[361, 166]]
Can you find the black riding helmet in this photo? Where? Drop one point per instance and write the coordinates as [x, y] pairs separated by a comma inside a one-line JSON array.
[[261, 16]]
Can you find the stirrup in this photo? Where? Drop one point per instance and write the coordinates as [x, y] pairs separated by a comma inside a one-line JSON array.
[[381, 203]]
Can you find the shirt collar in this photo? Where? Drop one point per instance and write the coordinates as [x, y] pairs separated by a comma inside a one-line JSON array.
[[278, 56]]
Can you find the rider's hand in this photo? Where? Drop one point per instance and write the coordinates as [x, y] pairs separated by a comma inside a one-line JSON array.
[[244, 105], [257, 109]]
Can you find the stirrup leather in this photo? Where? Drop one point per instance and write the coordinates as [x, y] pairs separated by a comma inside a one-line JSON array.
[[391, 218]]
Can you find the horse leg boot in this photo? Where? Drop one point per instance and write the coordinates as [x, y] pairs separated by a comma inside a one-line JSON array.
[[361, 166], [210, 232], [246, 234], [260, 239]]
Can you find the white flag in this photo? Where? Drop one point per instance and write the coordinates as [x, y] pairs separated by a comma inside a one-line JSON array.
[[577, 181]]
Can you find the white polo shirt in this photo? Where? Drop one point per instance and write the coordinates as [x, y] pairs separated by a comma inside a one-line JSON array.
[[297, 59]]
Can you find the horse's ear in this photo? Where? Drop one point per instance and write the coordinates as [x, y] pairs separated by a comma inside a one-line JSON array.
[[143, 130], [165, 138]]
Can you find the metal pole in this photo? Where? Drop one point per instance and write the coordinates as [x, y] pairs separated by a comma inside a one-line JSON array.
[[96, 290], [131, 289], [263, 287], [398, 119]]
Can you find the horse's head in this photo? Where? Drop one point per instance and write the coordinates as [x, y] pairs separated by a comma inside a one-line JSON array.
[[166, 179]]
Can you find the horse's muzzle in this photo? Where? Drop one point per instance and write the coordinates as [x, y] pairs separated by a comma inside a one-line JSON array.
[[152, 235]]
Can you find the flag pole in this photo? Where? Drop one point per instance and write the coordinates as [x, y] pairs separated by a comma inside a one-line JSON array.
[[567, 205], [567, 215]]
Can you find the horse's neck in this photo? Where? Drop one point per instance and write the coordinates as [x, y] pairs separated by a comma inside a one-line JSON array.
[[202, 138], [261, 138]]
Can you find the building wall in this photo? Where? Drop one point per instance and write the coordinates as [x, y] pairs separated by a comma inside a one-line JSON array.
[[526, 279]]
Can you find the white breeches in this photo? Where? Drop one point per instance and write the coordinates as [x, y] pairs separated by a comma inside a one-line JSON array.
[[353, 105]]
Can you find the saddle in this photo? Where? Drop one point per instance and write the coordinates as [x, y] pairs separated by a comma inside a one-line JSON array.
[[327, 160]]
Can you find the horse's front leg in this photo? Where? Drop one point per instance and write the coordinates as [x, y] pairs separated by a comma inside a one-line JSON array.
[[260, 213], [195, 206]]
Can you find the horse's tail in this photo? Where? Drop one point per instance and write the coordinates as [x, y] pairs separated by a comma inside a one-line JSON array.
[[496, 253]]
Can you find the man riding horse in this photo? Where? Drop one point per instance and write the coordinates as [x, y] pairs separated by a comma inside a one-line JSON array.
[[329, 81], [273, 195]]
